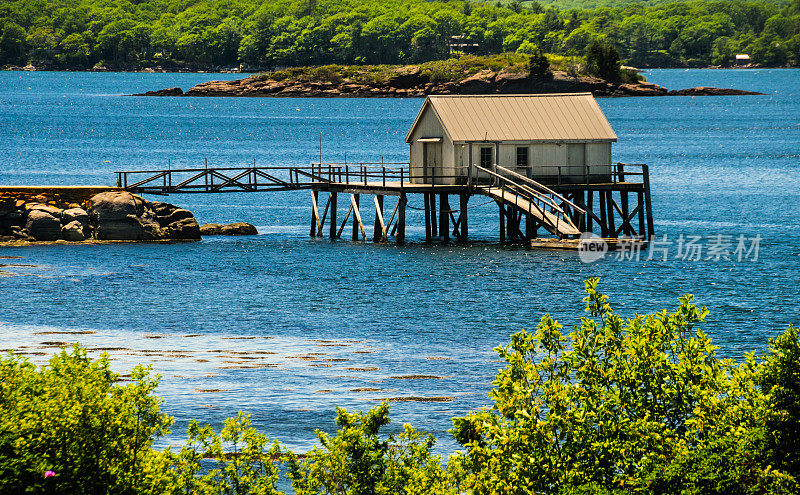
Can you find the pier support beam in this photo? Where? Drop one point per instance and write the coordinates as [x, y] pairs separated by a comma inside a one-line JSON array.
[[601, 197], [444, 218], [626, 226], [512, 224], [578, 219], [530, 228], [610, 218], [333, 215], [463, 227], [315, 223], [434, 223], [427, 208], [502, 222], [648, 205], [401, 219], [379, 233], [355, 200], [640, 198]]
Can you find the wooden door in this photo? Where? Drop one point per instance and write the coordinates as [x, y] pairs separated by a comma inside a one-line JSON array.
[[433, 163]]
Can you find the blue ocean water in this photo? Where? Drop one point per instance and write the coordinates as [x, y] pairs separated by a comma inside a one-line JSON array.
[[288, 327]]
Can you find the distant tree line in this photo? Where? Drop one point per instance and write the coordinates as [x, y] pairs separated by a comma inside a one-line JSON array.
[[225, 33]]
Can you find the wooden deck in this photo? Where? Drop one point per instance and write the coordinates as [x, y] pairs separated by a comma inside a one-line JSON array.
[[389, 188]]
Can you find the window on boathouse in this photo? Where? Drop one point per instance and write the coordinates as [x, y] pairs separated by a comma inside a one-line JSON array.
[[522, 157], [486, 157]]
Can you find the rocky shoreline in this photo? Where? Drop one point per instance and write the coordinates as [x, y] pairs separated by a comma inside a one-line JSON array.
[[108, 216], [411, 82]]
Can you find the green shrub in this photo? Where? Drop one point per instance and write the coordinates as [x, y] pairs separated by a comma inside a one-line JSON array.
[[602, 60], [72, 418], [631, 76], [638, 406], [244, 462], [358, 461], [779, 378], [538, 66], [326, 73]]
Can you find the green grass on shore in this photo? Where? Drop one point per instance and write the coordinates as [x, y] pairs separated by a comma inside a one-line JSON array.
[[453, 69]]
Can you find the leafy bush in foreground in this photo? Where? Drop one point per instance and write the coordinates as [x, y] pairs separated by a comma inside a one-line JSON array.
[[637, 406], [357, 461], [70, 417], [243, 458]]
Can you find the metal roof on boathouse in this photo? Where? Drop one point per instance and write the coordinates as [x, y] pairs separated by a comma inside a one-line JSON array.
[[546, 117]]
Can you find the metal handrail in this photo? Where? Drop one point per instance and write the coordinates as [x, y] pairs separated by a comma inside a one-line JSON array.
[[534, 198], [544, 188]]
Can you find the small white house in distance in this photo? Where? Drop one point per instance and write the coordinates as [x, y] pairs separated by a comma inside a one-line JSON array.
[[550, 137], [742, 59]]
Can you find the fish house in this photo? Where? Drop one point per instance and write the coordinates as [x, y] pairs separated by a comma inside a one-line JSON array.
[[552, 138]]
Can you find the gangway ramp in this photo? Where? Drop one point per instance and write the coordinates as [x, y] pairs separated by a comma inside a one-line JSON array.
[[552, 211]]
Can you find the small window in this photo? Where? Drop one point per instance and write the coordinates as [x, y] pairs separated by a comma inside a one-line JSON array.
[[486, 157], [522, 156]]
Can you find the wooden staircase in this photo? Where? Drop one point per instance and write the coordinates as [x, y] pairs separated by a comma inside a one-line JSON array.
[[529, 197]]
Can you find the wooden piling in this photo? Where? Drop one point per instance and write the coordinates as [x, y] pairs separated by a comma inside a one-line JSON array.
[[434, 222], [648, 205], [610, 218], [379, 229], [530, 228], [444, 218], [502, 222], [355, 199], [601, 198], [333, 215], [641, 214], [401, 219], [512, 224], [463, 228], [623, 200], [314, 213], [427, 208], [580, 220]]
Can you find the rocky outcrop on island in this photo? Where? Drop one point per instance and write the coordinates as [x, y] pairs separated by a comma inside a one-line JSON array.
[[162, 92], [238, 228], [411, 81], [113, 215], [708, 91]]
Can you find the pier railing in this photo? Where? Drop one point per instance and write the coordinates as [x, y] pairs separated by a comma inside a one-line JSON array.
[[376, 173], [362, 173], [384, 174], [217, 179]]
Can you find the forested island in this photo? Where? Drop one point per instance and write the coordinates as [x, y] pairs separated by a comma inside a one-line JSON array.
[[256, 35], [599, 72]]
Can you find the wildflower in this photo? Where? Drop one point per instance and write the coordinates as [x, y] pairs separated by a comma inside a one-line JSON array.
[[49, 474]]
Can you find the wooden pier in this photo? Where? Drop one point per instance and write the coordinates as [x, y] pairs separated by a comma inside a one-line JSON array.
[[545, 160], [613, 206]]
